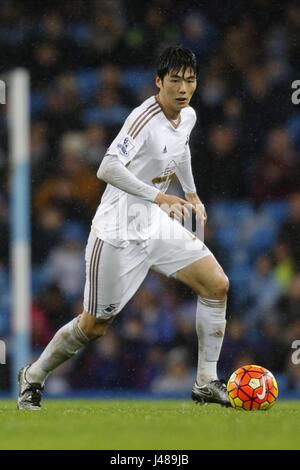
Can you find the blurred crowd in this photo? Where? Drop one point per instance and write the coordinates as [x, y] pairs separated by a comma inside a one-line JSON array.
[[91, 62]]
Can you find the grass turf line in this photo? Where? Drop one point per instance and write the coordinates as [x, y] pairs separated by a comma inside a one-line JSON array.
[[120, 425]]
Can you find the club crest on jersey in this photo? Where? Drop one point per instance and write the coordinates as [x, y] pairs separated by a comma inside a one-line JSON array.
[[125, 147]]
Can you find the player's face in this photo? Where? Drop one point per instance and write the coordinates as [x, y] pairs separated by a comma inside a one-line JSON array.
[[177, 89]]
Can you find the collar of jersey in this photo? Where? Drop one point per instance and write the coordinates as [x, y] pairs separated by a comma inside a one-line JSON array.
[[169, 120]]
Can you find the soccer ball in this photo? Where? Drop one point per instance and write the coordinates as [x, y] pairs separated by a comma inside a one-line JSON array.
[[252, 388]]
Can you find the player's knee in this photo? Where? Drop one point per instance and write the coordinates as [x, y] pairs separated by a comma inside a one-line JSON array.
[[92, 327], [220, 286], [101, 327], [217, 288]]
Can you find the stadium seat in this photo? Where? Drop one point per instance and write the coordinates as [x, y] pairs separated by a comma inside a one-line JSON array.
[[277, 210], [88, 81], [137, 78]]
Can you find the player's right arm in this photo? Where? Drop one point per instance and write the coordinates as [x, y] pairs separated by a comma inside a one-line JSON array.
[[113, 170]]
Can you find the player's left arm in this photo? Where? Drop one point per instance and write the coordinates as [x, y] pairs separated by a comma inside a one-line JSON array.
[[184, 174], [198, 205]]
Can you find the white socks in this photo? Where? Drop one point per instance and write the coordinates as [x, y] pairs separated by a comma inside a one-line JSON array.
[[210, 327], [66, 342]]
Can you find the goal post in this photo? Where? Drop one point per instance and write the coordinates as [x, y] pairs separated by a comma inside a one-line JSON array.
[[18, 102]]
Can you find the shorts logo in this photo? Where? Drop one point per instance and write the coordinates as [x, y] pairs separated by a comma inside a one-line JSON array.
[[125, 147], [110, 309]]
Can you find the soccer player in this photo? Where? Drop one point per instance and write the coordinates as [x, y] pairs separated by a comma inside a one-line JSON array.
[[136, 229]]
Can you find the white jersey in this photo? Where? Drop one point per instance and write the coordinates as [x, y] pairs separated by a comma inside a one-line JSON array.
[[151, 148]]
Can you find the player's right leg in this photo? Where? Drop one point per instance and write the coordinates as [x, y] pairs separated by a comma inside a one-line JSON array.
[[112, 277], [66, 342], [72, 336]]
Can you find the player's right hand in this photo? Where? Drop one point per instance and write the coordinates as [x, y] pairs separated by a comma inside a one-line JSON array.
[[174, 206]]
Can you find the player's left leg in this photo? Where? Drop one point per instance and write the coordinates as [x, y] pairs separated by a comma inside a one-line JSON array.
[[188, 259], [208, 280]]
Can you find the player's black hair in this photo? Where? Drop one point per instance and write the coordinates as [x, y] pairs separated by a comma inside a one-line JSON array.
[[176, 58]]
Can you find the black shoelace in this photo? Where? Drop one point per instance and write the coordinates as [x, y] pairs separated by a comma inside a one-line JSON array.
[[34, 393]]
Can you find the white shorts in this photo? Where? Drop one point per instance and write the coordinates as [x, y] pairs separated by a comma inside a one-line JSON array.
[[114, 273]]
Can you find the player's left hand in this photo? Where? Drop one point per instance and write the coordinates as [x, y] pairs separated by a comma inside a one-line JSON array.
[[198, 206]]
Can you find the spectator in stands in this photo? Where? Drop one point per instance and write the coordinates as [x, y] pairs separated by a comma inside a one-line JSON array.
[[291, 228], [277, 171]]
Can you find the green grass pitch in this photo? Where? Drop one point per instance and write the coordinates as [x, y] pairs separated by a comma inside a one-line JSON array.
[[131, 424]]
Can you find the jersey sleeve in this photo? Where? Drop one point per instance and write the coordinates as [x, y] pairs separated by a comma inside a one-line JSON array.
[[128, 142], [113, 172], [184, 167], [184, 173]]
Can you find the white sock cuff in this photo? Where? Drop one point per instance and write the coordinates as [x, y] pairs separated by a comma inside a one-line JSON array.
[[213, 303]]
